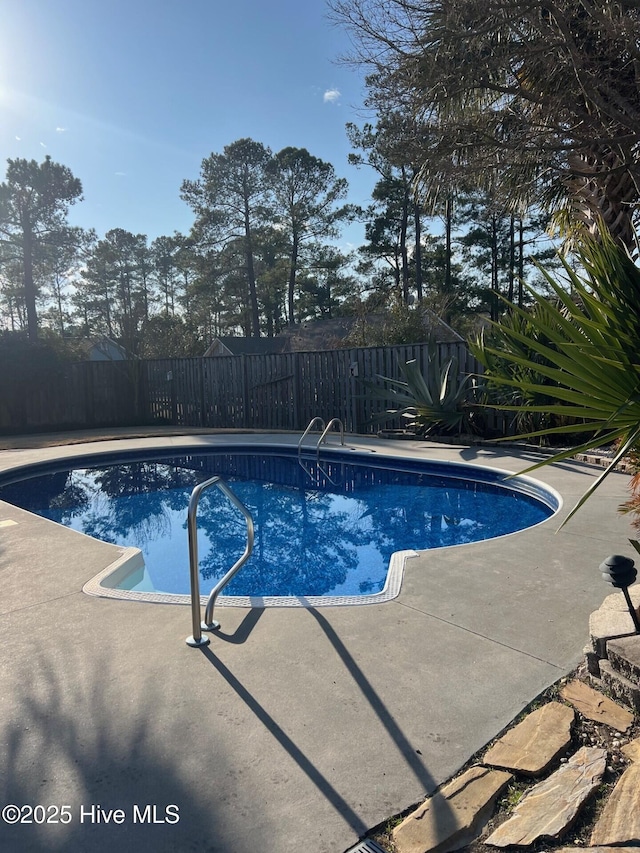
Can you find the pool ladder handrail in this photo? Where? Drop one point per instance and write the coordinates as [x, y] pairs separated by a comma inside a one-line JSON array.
[[209, 623], [326, 429]]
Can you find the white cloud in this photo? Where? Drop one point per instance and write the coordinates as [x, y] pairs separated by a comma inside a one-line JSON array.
[[331, 96], [42, 145], [61, 129], [19, 138]]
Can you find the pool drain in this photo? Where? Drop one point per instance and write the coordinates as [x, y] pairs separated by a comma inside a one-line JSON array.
[[367, 846]]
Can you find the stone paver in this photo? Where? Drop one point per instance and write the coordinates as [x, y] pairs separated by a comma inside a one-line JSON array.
[[629, 849], [624, 656], [612, 620], [605, 625], [595, 706], [532, 745], [617, 601], [632, 750], [619, 822], [618, 686], [550, 807], [454, 816]]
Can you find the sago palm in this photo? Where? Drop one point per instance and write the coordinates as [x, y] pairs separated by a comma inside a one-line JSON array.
[[586, 344]]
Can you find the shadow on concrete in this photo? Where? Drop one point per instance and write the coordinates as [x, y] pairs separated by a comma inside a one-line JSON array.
[[526, 454], [244, 629], [308, 768], [81, 741], [437, 817], [377, 705], [323, 784], [531, 456]]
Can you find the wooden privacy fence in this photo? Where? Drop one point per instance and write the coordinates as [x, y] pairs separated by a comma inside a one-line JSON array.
[[245, 392]]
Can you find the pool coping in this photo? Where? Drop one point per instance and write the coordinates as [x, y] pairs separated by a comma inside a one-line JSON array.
[[131, 560]]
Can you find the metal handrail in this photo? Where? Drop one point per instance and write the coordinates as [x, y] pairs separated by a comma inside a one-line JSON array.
[[325, 433], [325, 430], [311, 425], [209, 624]]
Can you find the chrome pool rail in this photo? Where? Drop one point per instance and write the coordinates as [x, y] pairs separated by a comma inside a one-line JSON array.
[[325, 430], [310, 426], [333, 422], [210, 624]]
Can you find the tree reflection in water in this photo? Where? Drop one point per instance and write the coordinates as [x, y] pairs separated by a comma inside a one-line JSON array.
[[301, 546], [312, 537]]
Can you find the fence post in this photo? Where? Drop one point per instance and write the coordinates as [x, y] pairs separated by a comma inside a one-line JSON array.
[[174, 397], [144, 407], [295, 419], [245, 392], [200, 367], [89, 408]]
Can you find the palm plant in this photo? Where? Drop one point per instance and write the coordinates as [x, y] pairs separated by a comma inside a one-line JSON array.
[[541, 100], [437, 400], [530, 408], [584, 346]]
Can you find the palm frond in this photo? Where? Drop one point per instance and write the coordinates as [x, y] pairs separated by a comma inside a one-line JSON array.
[[576, 357]]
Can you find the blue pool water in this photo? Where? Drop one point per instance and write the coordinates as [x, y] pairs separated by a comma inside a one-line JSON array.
[[327, 531]]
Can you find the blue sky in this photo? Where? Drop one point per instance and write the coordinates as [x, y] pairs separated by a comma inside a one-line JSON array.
[[132, 96]]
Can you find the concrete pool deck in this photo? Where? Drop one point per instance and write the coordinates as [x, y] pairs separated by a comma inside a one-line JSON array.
[[296, 728]]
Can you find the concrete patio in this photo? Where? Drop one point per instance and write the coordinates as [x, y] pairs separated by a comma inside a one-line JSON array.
[[296, 728]]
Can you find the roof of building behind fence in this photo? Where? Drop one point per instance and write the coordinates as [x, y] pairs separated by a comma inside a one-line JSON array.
[[229, 345], [316, 335]]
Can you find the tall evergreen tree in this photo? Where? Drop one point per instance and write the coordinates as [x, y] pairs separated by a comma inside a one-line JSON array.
[[229, 202], [396, 229], [113, 294], [306, 193], [329, 284], [58, 262], [388, 230], [34, 203], [14, 314]]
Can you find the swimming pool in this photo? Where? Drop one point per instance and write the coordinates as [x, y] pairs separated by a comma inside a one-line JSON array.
[[323, 535]]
